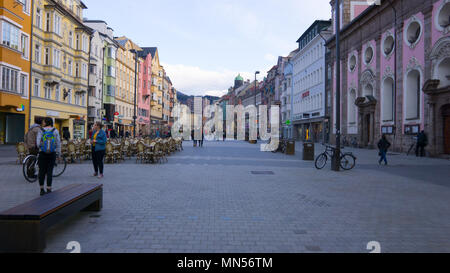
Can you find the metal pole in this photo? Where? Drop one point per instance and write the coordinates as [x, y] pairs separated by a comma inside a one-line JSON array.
[[395, 73], [135, 93], [30, 80], [335, 166]]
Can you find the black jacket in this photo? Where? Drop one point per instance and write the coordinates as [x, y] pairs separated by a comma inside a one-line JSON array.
[[383, 145]]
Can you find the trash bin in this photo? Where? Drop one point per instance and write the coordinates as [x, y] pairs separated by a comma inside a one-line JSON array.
[[308, 151], [290, 147]]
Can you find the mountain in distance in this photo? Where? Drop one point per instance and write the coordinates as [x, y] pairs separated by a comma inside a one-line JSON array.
[[183, 98]]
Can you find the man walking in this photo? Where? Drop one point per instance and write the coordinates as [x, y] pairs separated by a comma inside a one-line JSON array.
[[383, 146], [422, 142]]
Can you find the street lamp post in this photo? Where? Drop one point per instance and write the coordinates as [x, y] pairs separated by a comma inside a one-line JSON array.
[[256, 73], [335, 166], [135, 90]]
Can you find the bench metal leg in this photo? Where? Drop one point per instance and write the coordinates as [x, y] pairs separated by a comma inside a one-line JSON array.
[[21, 236], [96, 206]]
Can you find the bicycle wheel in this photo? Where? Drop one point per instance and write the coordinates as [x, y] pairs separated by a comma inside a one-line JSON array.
[[60, 166], [321, 161], [30, 169], [347, 162]]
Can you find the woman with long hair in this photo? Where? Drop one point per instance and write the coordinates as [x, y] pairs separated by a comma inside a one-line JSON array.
[[98, 148]]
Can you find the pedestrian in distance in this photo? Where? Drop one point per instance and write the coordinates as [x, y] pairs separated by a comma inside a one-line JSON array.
[[98, 149], [383, 147], [49, 142], [422, 142], [193, 138], [66, 133], [201, 140], [31, 145], [31, 136]]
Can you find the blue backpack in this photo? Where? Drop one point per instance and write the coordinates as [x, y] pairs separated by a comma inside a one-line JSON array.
[[48, 141]]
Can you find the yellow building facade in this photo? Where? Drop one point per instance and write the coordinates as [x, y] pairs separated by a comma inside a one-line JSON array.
[[125, 85], [15, 26], [60, 65], [157, 92]]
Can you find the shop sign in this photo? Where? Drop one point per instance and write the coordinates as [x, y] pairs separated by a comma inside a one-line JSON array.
[[21, 108], [52, 113], [306, 94]]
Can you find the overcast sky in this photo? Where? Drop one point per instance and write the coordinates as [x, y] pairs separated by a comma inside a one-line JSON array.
[[204, 44]]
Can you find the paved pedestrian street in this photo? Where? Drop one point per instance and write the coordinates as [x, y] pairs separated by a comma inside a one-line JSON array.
[[230, 197]]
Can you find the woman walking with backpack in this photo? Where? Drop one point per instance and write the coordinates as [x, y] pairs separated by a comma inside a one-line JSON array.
[[98, 148], [49, 143]]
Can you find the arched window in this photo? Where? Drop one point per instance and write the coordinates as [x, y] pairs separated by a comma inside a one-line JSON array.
[[388, 100], [412, 95], [351, 106], [368, 90], [443, 18], [443, 71]]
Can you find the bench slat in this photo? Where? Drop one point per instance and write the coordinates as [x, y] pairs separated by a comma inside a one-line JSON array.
[[41, 207]]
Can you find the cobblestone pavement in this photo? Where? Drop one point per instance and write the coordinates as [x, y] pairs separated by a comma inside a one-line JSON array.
[[208, 200]]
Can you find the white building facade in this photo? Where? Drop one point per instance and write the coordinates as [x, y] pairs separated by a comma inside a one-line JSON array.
[[308, 79]]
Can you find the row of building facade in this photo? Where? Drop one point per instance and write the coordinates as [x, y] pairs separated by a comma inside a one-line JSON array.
[[395, 77], [56, 64]]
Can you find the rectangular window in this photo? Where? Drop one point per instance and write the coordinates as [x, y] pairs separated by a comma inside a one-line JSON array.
[[37, 54], [10, 35], [69, 96], [47, 92], [56, 58], [24, 45], [77, 70], [57, 24], [37, 88], [77, 99], [38, 18], [57, 92], [25, 5], [47, 25], [10, 78], [77, 46], [23, 84], [47, 56], [70, 67]]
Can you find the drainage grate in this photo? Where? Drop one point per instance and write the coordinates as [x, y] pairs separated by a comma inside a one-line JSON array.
[[94, 216], [300, 232], [313, 248], [263, 173]]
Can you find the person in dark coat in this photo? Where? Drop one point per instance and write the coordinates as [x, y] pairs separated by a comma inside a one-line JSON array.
[[201, 140], [113, 134], [383, 146], [193, 138], [66, 133], [422, 142]]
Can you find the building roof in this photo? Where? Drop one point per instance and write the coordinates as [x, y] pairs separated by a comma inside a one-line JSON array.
[[148, 50]]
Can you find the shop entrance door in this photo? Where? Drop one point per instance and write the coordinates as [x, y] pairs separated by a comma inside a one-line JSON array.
[[15, 128]]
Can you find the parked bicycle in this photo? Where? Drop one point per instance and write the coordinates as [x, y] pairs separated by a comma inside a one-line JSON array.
[[347, 160], [30, 167], [413, 145], [282, 145]]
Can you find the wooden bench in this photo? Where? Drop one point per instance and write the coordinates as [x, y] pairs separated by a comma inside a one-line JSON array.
[[23, 228]]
